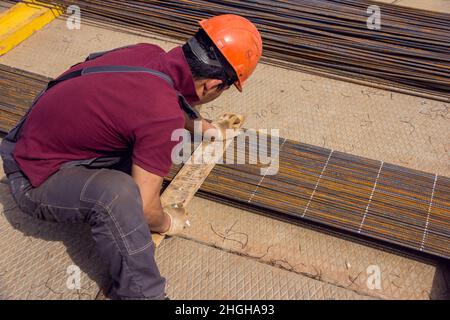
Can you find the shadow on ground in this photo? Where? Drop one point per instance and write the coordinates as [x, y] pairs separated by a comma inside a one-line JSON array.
[[52, 246], [441, 282], [48, 248]]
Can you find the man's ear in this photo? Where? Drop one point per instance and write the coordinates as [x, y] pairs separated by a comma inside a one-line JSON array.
[[211, 83]]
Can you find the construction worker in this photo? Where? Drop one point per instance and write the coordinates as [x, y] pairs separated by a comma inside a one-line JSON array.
[[96, 144]]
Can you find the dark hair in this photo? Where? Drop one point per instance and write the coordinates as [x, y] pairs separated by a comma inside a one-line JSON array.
[[202, 70]]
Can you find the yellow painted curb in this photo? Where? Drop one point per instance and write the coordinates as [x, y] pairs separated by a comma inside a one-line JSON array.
[[22, 20]]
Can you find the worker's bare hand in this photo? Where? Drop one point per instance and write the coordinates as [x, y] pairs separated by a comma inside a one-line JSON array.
[[178, 220], [226, 128]]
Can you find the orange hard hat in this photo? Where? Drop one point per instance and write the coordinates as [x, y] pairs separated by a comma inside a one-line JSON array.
[[239, 42]]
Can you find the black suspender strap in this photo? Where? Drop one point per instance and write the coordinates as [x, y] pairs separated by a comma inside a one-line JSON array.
[[109, 69], [187, 108], [14, 134], [70, 75], [96, 55]]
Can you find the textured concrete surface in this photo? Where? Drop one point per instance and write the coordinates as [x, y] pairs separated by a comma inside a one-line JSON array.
[[35, 257], [397, 128], [218, 274], [315, 254], [39, 266]]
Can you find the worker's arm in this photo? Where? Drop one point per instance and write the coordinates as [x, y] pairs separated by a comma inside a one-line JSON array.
[[189, 124], [217, 130], [150, 186], [226, 128], [169, 220]]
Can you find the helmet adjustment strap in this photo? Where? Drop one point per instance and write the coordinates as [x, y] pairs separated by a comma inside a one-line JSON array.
[[201, 55]]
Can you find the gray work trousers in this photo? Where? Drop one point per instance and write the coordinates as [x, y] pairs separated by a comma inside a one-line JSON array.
[[110, 202]]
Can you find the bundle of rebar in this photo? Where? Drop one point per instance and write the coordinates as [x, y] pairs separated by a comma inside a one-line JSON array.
[[408, 50], [18, 90], [335, 190]]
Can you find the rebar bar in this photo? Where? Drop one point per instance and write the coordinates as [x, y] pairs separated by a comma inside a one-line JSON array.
[[364, 197], [327, 37]]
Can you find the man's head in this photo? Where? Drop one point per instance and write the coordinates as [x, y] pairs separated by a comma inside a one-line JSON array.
[[224, 51], [212, 73]]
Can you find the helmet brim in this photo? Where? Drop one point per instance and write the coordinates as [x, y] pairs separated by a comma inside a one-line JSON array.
[[238, 86]]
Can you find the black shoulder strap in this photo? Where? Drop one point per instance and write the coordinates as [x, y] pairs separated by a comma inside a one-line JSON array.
[[14, 134], [109, 69], [188, 109], [191, 112], [96, 55]]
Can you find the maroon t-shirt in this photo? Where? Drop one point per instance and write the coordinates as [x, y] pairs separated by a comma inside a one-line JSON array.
[[102, 114]]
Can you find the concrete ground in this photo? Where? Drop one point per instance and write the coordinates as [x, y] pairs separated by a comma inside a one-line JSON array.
[[230, 253]]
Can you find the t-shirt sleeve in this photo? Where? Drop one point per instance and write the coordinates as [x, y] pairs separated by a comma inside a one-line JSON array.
[[153, 146]]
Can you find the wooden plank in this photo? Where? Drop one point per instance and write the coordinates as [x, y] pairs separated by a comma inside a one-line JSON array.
[[189, 179]]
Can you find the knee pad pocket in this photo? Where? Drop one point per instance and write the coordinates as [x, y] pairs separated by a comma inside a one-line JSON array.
[[117, 199]]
